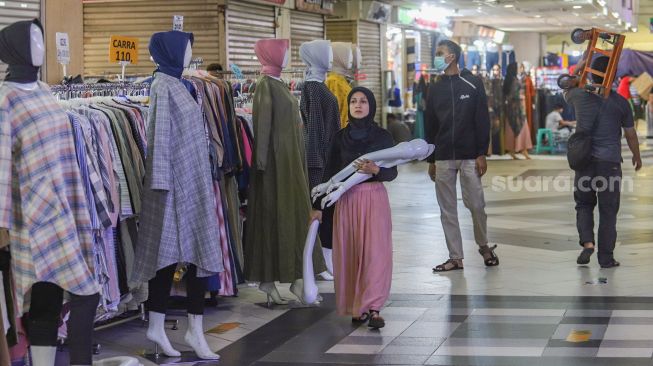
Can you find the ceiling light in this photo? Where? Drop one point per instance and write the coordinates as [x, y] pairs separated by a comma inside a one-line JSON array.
[[509, 6], [601, 2], [538, 16], [2, 3], [23, 5], [578, 6]]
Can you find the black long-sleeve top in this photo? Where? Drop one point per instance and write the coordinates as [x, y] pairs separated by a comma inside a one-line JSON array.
[[344, 149]]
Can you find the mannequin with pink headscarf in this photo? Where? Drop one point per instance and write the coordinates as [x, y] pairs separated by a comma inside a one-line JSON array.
[[279, 200]]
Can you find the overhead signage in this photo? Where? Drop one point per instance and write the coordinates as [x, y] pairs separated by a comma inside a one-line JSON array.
[[123, 49], [63, 48], [178, 23], [412, 18], [316, 6]]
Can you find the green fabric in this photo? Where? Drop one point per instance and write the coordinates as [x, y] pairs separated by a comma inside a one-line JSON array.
[[279, 203]]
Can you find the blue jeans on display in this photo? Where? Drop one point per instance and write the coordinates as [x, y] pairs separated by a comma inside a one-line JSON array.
[[473, 58], [491, 59], [507, 57]]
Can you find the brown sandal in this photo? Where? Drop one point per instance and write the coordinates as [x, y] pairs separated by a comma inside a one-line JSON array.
[[449, 265], [376, 321], [361, 319], [489, 257]]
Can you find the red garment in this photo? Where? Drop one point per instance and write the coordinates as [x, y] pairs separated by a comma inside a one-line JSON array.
[[624, 87]]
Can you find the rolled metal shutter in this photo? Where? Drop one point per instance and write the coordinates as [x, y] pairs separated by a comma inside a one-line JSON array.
[[246, 24], [14, 11], [426, 57], [369, 41], [304, 27], [141, 19], [341, 31]]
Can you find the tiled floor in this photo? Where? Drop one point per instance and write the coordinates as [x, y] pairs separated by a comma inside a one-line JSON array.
[[528, 311]]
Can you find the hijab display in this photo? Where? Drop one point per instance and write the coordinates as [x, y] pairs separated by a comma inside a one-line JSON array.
[[21, 47], [337, 81], [58, 241], [273, 55], [278, 195], [173, 227], [319, 109]]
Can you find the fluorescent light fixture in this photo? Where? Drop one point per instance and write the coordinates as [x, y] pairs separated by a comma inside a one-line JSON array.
[[23, 5], [2, 3], [509, 6], [578, 6], [601, 2], [538, 16]]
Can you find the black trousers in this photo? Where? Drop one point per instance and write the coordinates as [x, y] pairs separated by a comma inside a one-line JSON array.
[[599, 183], [43, 321], [161, 284]]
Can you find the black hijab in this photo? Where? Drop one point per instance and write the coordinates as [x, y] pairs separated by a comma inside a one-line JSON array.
[[359, 129], [16, 51], [511, 75]]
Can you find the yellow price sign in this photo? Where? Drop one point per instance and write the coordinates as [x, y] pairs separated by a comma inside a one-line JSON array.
[[123, 49]]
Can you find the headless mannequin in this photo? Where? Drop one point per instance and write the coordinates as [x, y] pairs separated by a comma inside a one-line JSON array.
[[270, 288], [159, 292], [47, 298]]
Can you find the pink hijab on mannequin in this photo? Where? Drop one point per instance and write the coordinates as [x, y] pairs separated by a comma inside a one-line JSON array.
[[271, 54]]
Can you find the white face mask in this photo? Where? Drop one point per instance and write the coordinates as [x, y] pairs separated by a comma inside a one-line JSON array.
[[37, 47], [189, 55]]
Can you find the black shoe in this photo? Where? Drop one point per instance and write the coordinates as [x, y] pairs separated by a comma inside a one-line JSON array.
[[613, 263], [584, 257]]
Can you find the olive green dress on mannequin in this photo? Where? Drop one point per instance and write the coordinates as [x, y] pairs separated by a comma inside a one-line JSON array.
[[279, 202]]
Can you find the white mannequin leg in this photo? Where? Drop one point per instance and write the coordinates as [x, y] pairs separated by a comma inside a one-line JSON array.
[[273, 294], [156, 332], [43, 355], [195, 338], [328, 259]]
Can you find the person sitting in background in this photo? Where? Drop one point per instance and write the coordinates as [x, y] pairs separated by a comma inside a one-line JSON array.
[[555, 122], [213, 68], [398, 129], [394, 95]]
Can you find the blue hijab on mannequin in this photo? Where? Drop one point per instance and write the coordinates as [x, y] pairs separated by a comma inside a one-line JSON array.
[[168, 50]]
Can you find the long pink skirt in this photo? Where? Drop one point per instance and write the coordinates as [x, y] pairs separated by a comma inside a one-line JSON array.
[[520, 142], [362, 249]]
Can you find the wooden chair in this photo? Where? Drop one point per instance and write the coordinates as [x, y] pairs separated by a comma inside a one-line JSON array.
[[616, 41]]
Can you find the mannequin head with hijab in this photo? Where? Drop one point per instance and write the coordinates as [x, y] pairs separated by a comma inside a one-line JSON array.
[[318, 57], [274, 55], [171, 51], [343, 58], [22, 48]]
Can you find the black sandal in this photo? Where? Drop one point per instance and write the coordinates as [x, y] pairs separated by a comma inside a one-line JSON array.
[[376, 321], [361, 319], [584, 257], [492, 259], [455, 265]]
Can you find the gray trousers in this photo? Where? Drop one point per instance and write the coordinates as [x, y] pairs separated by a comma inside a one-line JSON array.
[[446, 173]]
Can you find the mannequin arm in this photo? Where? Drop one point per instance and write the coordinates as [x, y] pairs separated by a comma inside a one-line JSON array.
[[310, 291], [343, 187]]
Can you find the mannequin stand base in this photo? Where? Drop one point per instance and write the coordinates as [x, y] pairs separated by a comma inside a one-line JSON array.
[[187, 357], [294, 304]]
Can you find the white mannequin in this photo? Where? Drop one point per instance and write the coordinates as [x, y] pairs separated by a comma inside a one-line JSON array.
[[331, 58], [37, 49], [404, 152], [350, 62], [286, 60], [359, 59], [194, 336]]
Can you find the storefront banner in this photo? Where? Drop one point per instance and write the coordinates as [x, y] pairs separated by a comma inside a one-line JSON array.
[[316, 6]]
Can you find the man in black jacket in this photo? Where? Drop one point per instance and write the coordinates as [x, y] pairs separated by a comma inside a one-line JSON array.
[[457, 121]]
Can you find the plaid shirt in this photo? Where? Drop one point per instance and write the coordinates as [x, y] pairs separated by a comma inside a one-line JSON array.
[[42, 198]]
